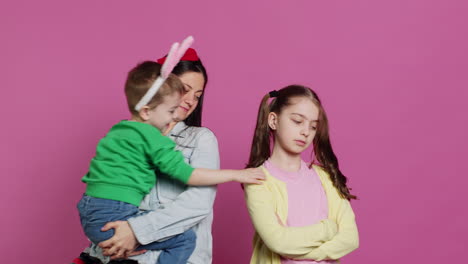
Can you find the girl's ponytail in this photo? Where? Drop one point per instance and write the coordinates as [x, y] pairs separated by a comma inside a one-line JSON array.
[[260, 150], [326, 157]]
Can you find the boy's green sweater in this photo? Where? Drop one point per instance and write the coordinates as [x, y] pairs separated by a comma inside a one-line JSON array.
[[126, 159]]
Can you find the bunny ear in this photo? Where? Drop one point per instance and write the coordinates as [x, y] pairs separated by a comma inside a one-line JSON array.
[[173, 57], [171, 61], [184, 47]]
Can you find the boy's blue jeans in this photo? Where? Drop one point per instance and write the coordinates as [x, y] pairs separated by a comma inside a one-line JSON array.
[[96, 212]]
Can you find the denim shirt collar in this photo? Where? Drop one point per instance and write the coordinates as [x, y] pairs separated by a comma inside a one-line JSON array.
[[175, 132]]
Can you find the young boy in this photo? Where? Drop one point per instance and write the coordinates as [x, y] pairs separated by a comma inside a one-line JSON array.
[[123, 170]]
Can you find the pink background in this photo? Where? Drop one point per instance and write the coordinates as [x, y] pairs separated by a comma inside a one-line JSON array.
[[393, 76]]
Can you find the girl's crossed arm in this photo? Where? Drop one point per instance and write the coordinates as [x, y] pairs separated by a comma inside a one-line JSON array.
[[347, 238], [283, 240]]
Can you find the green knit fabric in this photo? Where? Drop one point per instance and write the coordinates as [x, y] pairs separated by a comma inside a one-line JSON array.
[[126, 159]]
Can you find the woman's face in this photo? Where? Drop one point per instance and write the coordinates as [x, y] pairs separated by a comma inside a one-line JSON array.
[[194, 84]]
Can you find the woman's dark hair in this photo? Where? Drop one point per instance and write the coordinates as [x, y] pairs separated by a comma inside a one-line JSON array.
[[323, 151], [195, 118]]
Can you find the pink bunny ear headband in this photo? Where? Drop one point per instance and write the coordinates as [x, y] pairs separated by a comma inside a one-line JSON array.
[[173, 57]]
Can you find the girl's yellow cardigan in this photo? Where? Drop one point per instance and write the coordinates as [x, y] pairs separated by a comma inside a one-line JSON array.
[[331, 238]]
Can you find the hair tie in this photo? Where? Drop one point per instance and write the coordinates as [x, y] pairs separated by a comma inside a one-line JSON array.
[[190, 55], [273, 93]]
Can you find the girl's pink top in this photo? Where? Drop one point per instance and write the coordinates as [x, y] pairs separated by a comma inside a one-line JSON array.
[[307, 202]]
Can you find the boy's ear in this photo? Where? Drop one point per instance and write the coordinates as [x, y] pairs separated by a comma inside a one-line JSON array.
[[272, 120], [144, 113]]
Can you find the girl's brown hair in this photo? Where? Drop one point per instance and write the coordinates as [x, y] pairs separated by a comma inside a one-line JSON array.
[[323, 152]]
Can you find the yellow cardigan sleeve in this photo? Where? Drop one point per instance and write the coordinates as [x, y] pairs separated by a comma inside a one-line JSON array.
[[347, 238], [278, 238]]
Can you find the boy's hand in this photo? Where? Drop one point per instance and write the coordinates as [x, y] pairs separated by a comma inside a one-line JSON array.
[[253, 175]]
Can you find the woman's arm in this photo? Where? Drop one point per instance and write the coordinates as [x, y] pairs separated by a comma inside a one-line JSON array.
[[278, 238], [190, 207]]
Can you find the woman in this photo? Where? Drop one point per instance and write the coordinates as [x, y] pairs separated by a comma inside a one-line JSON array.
[[172, 207]]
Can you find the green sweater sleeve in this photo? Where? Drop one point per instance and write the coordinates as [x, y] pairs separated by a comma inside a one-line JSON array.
[[168, 160]]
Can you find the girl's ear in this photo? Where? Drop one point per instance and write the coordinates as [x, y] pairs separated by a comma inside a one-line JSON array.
[[144, 113], [272, 120]]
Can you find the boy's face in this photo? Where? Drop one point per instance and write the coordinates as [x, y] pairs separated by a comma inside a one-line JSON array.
[[161, 116]]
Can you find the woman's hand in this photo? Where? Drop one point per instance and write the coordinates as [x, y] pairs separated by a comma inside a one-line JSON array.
[[122, 244]]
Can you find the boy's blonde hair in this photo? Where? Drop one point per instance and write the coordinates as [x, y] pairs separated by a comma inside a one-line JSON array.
[[140, 79]]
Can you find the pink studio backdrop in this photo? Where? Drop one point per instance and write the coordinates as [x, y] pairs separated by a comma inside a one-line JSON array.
[[392, 75]]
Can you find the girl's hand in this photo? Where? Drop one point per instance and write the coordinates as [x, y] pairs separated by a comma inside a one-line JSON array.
[[122, 244], [254, 175]]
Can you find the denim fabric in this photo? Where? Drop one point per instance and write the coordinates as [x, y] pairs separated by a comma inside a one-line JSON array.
[[175, 250], [96, 212]]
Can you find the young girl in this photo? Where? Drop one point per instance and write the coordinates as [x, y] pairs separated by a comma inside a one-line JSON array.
[[122, 172], [301, 213]]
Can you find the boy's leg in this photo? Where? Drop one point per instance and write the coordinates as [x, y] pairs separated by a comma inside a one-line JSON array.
[[177, 249], [96, 212]]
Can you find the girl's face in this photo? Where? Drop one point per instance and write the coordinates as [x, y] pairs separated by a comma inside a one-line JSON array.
[[295, 127], [194, 84]]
